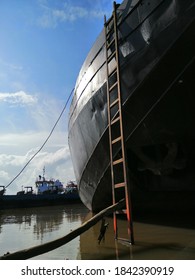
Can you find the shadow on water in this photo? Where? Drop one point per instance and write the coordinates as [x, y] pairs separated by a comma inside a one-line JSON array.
[[164, 228], [151, 242]]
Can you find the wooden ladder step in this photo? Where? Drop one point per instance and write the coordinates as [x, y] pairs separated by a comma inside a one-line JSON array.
[[108, 21], [113, 86], [110, 44], [122, 211], [116, 140], [119, 185], [115, 120], [120, 160], [114, 71], [111, 56], [114, 103]]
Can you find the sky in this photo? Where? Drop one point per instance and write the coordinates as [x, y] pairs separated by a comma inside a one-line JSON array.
[[43, 44]]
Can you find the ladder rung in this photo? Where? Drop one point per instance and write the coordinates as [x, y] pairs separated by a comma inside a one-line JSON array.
[[109, 20], [117, 161], [125, 241], [113, 86], [119, 185], [114, 103], [110, 34], [111, 43], [111, 56], [116, 140], [112, 72], [115, 120], [122, 211]]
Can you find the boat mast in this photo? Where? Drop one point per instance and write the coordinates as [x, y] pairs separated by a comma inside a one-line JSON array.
[[44, 173]]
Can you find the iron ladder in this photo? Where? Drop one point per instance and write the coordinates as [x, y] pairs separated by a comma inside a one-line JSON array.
[[118, 159]]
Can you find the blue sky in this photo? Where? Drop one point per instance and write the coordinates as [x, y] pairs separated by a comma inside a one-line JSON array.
[[43, 44]]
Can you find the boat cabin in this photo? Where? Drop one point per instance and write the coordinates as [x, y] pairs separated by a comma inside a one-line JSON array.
[[48, 186], [29, 190]]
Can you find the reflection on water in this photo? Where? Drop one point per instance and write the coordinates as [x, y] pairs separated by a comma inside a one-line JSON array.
[[24, 228]]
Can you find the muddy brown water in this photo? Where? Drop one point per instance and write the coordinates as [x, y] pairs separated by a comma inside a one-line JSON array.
[[156, 235]]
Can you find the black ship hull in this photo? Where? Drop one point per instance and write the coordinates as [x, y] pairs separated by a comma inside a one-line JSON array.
[[36, 200], [157, 43]]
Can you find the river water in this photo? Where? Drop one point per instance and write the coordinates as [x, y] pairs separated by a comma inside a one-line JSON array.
[[25, 228]]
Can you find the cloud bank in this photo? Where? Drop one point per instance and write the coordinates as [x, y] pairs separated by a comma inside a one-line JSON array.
[[20, 144]]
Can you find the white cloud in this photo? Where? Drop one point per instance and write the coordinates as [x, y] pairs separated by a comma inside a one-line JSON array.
[[52, 16], [45, 113], [27, 143], [30, 113], [4, 176], [54, 156], [20, 97]]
